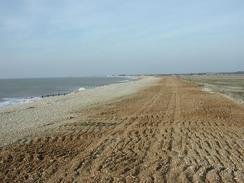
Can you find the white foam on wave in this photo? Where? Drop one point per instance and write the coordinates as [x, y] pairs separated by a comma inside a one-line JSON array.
[[123, 81], [14, 101], [81, 89]]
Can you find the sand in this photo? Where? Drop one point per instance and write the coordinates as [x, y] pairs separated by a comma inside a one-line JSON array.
[[171, 131], [41, 116]]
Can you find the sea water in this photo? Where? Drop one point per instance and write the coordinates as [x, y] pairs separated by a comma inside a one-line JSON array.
[[16, 91]]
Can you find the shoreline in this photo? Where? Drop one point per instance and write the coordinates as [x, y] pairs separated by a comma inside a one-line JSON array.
[[15, 101], [40, 116]]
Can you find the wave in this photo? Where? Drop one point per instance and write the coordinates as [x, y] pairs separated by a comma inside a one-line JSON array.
[[81, 89], [5, 102], [123, 81]]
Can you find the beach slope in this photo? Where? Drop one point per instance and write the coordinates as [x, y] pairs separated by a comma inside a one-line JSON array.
[[41, 116], [171, 131]]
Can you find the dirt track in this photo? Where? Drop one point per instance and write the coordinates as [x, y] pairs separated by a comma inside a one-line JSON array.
[[171, 132]]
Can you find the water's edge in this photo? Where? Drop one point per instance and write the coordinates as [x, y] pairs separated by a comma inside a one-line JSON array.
[[16, 100]]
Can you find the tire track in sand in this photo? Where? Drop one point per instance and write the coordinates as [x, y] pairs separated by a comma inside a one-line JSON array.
[[170, 132]]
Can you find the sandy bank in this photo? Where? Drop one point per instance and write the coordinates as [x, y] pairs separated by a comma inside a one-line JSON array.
[[28, 119], [169, 132]]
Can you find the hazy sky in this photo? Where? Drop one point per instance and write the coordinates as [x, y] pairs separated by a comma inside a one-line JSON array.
[[43, 38]]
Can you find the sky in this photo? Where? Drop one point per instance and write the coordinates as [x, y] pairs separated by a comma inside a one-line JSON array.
[[59, 38]]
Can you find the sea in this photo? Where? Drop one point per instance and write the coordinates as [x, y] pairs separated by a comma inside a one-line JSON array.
[[18, 91]]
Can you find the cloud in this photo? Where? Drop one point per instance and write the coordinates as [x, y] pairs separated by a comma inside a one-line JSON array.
[[109, 30]]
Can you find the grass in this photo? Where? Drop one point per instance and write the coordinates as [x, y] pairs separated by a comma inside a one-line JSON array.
[[231, 85]]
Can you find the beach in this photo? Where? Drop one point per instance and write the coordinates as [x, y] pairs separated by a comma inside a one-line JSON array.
[[150, 130], [40, 116]]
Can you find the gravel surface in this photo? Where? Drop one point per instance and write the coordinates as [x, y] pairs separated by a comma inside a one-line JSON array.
[[169, 132], [40, 116]]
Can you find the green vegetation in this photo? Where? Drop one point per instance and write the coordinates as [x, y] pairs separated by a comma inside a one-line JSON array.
[[231, 85]]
